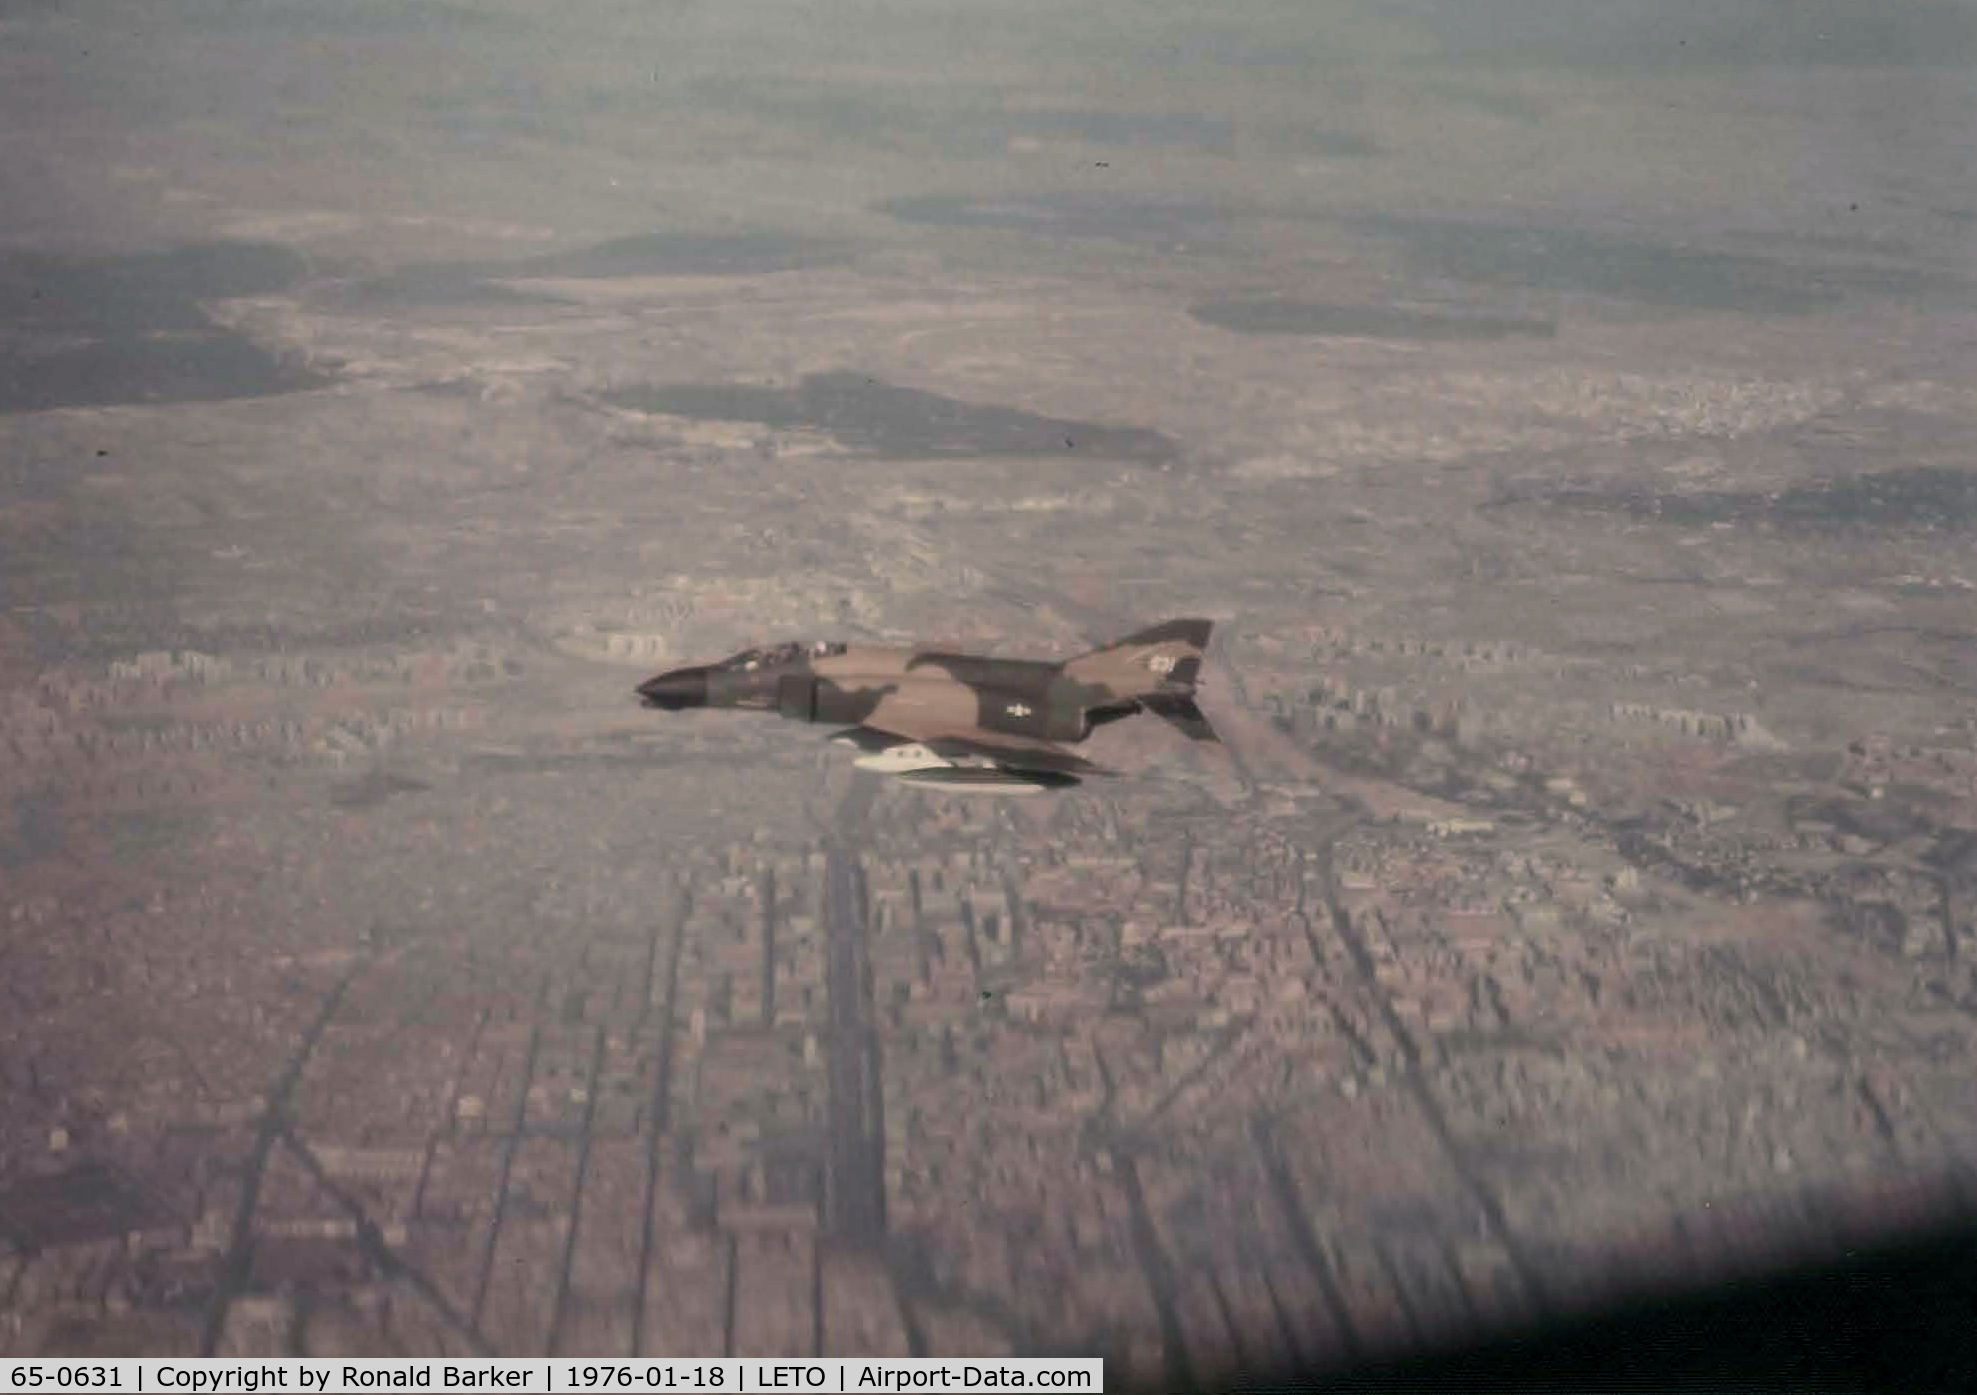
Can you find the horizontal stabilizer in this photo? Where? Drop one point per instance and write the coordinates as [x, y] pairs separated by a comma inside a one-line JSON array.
[[1180, 712]]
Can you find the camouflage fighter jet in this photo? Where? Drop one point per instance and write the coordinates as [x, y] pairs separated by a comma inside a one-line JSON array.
[[960, 722]]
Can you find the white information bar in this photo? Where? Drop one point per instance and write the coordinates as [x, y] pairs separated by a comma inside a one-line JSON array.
[[709, 1376]]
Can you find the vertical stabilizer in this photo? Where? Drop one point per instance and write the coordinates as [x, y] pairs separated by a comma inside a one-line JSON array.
[[1164, 658]]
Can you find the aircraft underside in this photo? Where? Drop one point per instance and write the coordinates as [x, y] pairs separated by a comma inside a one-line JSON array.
[[920, 765]]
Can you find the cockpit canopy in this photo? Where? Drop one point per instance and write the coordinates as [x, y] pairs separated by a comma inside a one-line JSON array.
[[749, 660]]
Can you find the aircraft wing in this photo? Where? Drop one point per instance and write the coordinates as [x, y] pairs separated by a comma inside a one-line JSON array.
[[1010, 752]]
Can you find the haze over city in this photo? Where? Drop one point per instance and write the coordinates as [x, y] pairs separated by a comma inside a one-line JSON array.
[[1564, 413]]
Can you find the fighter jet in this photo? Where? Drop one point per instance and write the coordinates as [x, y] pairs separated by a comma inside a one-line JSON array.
[[958, 722]]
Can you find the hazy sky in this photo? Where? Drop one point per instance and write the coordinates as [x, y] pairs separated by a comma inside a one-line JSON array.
[[395, 129]]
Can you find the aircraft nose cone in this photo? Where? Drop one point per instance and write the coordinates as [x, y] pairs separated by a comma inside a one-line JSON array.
[[677, 690]]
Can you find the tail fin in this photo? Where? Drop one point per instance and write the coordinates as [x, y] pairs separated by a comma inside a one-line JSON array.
[[1165, 658]]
